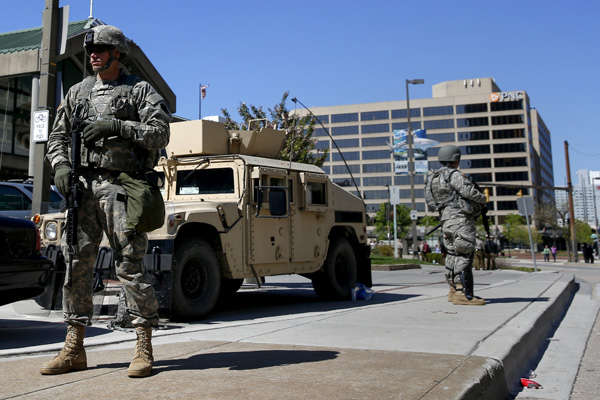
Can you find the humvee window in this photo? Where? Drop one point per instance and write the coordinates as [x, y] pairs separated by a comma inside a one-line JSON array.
[[316, 193], [276, 181], [205, 181]]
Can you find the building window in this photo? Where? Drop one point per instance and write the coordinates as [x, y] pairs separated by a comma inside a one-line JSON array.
[[477, 135], [376, 141], [414, 112], [471, 108], [376, 155], [405, 180], [504, 191], [374, 115], [506, 205], [481, 149], [377, 181], [347, 155], [433, 111], [507, 119], [479, 163], [376, 195], [322, 144], [339, 118], [345, 130], [509, 148], [442, 137], [376, 128], [510, 162], [507, 105], [342, 169], [486, 177], [347, 143], [15, 115], [374, 168], [512, 176], [320, 132], [396, 126], [439, 124], [508, 134], [467, 122], [324, 119]]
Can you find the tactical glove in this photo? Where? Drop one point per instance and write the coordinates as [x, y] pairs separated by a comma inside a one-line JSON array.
[[101, 129], [61, 179]]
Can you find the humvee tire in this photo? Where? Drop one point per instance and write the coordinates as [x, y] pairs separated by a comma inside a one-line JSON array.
[[196, 280], [338, 277]]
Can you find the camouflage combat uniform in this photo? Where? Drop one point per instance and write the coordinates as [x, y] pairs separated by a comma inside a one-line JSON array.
[[144, 131], [459, 203]]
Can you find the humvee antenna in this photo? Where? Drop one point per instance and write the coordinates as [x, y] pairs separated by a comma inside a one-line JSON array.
[[334, 143]]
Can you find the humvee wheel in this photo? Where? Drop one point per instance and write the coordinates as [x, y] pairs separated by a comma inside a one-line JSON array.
[[338, 277], [196, 280]]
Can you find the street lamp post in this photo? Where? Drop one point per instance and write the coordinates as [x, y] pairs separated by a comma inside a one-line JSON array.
[[411, 163]]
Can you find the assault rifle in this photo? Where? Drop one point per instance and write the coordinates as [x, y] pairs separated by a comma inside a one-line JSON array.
[[77, 125], [484, 211]]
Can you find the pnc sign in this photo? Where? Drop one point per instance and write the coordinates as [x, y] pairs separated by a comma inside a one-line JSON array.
[[506, 96]]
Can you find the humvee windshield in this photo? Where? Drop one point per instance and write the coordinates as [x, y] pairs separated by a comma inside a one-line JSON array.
[[205, 181]]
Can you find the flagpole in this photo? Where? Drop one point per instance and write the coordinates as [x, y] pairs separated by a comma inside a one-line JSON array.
[[200, 101]]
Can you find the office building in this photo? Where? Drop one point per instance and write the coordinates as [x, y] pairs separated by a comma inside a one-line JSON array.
[[586, 197], [503, 139]]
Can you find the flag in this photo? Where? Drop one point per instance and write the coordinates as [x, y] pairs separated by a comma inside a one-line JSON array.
[[203, 91]]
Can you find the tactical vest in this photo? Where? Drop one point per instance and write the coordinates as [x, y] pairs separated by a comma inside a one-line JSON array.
[[439, 204], [113, 101], [452, 198]]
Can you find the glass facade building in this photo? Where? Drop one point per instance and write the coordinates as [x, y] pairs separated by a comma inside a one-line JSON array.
[[503, 141]]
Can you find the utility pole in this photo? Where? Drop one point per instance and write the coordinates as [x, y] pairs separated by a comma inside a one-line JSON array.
[[571, 208], [47, 101]]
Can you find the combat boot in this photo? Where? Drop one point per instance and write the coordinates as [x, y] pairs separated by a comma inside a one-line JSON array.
[[453, 290], [141, 365], [460, 299], [71, 357]]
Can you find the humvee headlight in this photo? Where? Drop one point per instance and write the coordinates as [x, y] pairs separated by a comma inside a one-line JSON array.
[[51, 231]]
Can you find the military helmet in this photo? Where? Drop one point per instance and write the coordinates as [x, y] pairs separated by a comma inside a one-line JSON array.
[[106, 35], [449, 154]]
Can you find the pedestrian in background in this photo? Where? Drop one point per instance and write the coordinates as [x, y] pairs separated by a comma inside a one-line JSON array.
[[546, 253], [479, 257]]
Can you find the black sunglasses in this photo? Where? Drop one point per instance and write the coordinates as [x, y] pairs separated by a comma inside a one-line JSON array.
[[100, 48]]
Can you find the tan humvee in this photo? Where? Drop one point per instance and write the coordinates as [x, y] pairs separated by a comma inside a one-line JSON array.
[[234, 211]]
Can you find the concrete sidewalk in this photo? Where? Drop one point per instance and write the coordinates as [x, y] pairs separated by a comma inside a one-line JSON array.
[[408, 342]]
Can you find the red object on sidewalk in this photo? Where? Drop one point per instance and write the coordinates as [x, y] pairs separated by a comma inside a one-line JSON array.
[[528, 383]]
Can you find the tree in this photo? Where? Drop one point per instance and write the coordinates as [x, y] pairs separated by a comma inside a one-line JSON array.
[[429, 222], [583, 231], [299, 145], [402, 221]]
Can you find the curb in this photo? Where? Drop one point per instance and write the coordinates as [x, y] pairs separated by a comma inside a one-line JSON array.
[[538, 322]]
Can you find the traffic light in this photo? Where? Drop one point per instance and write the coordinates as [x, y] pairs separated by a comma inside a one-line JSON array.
[[486, 191], [520, 193]]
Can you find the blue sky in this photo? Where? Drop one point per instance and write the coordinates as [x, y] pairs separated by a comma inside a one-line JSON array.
[[333, 52]]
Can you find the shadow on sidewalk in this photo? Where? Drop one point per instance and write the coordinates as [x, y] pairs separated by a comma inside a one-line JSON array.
[[236, 361]]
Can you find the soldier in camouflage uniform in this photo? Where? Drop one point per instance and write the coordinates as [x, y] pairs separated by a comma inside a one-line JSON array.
[[458, 201], [127, 124]]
